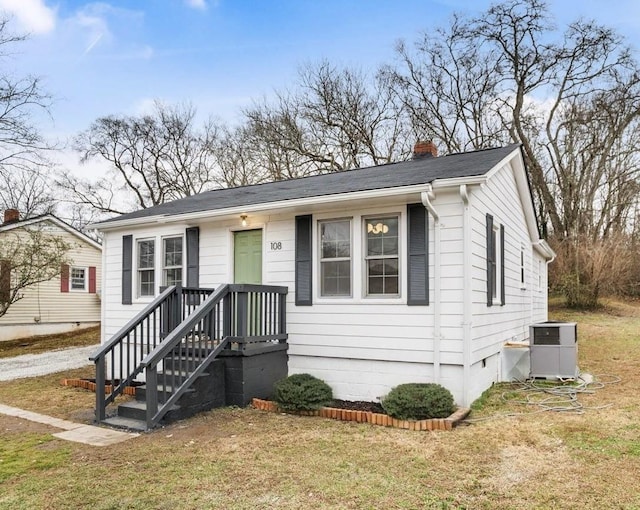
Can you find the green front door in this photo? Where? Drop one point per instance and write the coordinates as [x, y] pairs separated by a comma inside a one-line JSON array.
[[247, 256]]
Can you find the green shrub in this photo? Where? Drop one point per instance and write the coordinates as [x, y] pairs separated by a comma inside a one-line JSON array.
[[418, 401], [302, 392]]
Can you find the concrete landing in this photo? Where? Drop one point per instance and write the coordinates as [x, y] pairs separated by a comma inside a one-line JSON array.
[[76, 432]]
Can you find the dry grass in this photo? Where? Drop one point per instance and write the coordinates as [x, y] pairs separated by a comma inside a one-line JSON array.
[[246, 459], [38, 344]]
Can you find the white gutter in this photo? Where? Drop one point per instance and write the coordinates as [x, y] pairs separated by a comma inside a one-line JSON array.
[[426, 197], [467, 301]]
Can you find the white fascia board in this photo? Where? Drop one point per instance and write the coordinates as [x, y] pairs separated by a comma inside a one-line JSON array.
[[264, 207], [58, 223]]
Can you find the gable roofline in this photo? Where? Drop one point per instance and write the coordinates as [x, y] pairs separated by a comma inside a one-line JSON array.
[[56, 221], [523, 186], [381, 180]]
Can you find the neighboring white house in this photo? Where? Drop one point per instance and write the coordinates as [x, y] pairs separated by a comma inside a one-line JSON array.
[[418, 271], [68, 301]]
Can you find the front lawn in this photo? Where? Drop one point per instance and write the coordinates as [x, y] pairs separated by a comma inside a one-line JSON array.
[[247, 459]]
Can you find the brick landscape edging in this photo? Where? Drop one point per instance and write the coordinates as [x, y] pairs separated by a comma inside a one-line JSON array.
[[91, 386], [373, 418]]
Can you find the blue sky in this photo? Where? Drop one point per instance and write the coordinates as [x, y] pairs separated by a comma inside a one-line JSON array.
[[115, 57]]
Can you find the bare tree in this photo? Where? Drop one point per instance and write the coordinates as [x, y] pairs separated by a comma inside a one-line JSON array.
[[505, 76], [153, 159], [21, 144], [573, 102], [336, 119], [28, 191], [28, 256], [23, 162]]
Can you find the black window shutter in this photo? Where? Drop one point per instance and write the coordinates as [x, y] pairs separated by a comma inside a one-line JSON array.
[[502, 296], [127, 265], [490, 260], [303, 260], [417, 255], [193, 256]]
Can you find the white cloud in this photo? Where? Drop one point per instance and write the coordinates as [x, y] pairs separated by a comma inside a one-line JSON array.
[[33, 15], [197, 4]]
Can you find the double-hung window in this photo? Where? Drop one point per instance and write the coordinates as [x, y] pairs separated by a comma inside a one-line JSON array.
[[146, 267], [335, 258], [381, 256], [78, 278], [172, 260]]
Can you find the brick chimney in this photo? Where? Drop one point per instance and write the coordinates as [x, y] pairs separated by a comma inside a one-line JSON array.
[[11, 216], [425, 149]]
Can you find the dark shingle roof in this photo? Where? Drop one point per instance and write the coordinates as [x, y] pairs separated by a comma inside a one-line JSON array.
[[392, 175]]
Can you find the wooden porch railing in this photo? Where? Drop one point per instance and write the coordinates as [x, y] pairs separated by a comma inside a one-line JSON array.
[[118, 361], [196, 326]]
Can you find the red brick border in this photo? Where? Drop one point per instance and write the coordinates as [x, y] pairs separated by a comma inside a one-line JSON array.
[[91, 386], [373, 418]]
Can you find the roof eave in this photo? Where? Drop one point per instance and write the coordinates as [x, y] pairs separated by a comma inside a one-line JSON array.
[[267, 206]]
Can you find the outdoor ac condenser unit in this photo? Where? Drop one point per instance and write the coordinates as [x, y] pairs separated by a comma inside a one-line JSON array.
[[554, 350]]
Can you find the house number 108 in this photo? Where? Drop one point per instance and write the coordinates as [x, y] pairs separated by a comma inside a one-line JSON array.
[[276, 245]]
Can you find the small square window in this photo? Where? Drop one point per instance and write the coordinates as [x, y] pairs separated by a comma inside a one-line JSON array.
[[78, 278]]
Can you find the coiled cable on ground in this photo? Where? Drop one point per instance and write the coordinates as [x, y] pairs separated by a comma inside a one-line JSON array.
[[553, 396]]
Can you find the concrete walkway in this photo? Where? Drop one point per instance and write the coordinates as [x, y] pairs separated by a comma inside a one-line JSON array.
[[33, 365], [76, 432]]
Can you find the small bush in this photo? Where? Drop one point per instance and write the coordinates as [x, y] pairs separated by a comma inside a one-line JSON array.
[[302, 392], [418, 401]]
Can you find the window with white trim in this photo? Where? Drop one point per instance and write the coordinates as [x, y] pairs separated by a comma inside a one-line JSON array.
[[78, 278], [172, 249], [381, 256], [335, 258], [146, 267]]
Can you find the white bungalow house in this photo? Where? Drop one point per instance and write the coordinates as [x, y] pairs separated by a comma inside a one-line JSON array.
[[418, 271], [67, 302]]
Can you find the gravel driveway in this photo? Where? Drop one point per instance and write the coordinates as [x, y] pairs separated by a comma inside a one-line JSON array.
[[31, 365]]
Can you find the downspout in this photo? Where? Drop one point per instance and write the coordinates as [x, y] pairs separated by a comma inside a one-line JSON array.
[[426, 197], [467, 301]]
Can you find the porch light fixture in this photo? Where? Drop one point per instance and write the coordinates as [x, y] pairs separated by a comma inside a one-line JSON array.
[[243, 220]]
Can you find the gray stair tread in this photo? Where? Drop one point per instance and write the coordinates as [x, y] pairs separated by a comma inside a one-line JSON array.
[[142, 405], [161, 388], [169, 373], [125, 423]]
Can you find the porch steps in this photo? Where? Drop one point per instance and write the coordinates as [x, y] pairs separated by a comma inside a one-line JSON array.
[[200, 396]]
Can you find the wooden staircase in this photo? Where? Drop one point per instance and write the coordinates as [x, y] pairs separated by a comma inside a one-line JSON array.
[[176, 342], [206, 392]]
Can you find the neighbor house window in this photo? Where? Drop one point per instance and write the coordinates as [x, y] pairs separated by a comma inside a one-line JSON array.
[[78, 278], [172, 261], [335, 258], [146, 270], [381, 255]]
